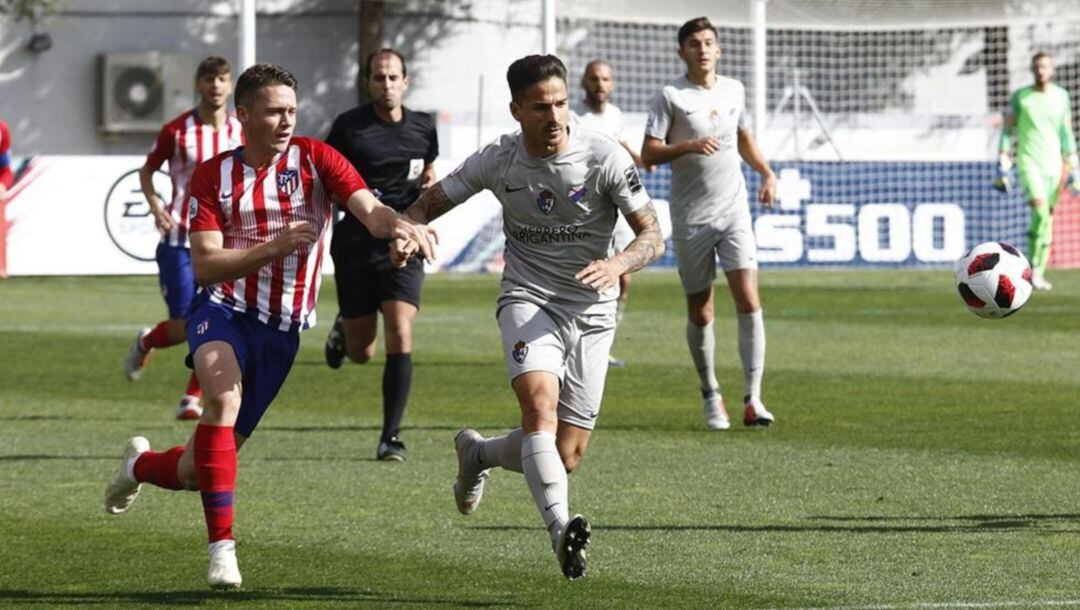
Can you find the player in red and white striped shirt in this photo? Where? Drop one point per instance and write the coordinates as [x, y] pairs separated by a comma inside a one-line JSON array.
[[6, 177], [259, 215], [191, 138]]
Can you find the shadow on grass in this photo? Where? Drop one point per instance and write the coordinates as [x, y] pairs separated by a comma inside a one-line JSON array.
[[453, 364], [32, 457], [37, 418], [989, 524], [372, 428], [313, 595]]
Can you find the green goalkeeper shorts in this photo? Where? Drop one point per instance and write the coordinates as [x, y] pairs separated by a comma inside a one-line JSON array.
[[1038, 183]]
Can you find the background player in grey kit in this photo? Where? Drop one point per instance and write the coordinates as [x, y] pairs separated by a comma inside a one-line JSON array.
[[598, 112], [394, 148], [697, 123], [561, 189]]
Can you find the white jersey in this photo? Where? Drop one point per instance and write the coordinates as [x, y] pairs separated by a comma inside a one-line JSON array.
[[703, 187], [558, 212], [609, 122]]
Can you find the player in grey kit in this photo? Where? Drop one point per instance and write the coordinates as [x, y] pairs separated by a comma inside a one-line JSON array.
[[561, 190], [697, 123]]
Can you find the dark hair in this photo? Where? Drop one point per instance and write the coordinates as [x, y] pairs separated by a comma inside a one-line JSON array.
[[1040, 55], [533, 69], [384, 51], [700, 24], [258, 76], [214, 65]]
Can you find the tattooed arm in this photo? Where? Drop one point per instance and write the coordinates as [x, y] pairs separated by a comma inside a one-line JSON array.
[[432, 203], [646, 247]]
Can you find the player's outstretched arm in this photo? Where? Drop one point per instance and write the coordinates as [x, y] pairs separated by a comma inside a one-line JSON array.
[[213, 263], [647, 246], [749, 151], [433, 202], [385, 223]]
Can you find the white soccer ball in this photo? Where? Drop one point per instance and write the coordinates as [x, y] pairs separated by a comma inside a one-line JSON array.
[[994, 279]]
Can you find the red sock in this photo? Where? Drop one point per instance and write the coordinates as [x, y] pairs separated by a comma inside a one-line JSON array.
[[193, 388], [215, 466], [158, 337], [160, 468]]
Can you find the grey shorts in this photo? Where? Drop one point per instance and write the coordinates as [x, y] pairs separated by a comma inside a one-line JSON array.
[[729, 240], [571, 345]]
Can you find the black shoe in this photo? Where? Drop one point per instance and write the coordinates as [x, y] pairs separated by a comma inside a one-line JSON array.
[[392, 450], [573, 541], [335, 345]]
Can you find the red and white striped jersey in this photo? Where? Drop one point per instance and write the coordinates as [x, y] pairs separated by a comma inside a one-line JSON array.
[[185, 142], [250, 207]]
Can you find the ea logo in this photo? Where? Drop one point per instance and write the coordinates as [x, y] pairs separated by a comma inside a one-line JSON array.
[[128, 220]]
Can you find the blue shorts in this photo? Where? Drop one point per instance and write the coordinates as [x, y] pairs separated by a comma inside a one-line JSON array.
[[176, 278], [265, 354]]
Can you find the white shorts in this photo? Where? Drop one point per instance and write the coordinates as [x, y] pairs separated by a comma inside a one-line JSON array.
[[623, 234], [729, 240], [571, 345]]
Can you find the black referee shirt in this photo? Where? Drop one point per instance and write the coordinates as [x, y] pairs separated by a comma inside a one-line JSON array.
[[390, 157]]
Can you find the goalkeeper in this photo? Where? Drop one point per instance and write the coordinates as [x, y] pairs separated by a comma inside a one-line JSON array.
[[1040, 115]]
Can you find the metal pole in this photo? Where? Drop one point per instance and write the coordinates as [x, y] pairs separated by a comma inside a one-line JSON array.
[[760, 76], [547, 12], [797, 106], [247, 34], [480, 113]]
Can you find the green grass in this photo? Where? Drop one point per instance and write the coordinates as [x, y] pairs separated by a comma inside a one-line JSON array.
[[922, 456]]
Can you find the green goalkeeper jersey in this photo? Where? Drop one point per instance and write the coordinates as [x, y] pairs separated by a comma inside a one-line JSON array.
[[1043, 132]]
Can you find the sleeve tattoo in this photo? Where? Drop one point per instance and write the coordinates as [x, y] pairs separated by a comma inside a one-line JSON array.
[[432, 203], [648, 245]]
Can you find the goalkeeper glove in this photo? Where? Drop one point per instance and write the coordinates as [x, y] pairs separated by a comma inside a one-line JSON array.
[[1072, 182], [1004, 181]]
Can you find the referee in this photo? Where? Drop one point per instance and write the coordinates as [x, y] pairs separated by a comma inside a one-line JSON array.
[[393, 148]]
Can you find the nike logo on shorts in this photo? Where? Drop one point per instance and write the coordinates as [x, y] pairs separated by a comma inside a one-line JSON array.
[[510, 190]]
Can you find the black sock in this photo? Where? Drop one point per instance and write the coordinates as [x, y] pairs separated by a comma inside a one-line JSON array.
[[396, 383]]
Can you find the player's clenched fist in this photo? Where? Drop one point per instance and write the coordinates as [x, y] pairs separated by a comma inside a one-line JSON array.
[[293, 236]]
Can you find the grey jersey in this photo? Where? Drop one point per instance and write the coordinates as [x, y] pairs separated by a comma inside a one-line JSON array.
[[558, 212], [703, 187]]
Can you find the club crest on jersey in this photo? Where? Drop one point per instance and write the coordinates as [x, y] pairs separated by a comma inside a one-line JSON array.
[[288, 181], [578, 193], [521, 349], [545, 201]]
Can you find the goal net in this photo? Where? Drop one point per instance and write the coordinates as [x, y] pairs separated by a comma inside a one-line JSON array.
[[881, 118]]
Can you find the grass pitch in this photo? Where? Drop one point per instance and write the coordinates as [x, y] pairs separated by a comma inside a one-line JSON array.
[[922, 458]]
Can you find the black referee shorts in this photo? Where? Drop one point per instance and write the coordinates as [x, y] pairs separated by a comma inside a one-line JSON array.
[[362, 287]]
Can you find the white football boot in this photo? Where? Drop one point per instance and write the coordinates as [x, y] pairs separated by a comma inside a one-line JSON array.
[[122, 489], [469, 485], [137, 357], [1039, 282], [712, 407], [755, 414], [224, 572]]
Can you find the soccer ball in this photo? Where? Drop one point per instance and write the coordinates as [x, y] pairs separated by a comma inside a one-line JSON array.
[[994, 279]]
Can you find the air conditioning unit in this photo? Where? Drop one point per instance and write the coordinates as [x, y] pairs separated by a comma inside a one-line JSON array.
[[141, 91]]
